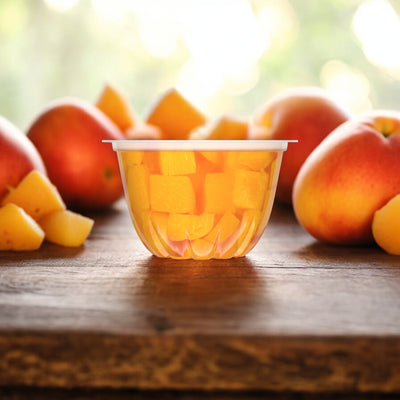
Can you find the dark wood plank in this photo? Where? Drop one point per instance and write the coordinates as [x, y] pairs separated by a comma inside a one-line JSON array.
[[293, 315], [31, 393]]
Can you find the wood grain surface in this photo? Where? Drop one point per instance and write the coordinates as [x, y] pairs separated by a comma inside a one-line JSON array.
[[294, 315]]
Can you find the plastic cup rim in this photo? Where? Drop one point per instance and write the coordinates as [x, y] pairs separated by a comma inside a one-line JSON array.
[[200, 145]]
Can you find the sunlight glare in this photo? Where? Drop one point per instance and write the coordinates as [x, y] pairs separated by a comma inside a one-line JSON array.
[[377, 26], [111, 11], [61, 5], [347, 86]]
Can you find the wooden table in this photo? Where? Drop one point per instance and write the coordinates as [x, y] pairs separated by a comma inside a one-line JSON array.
[[294, 315]]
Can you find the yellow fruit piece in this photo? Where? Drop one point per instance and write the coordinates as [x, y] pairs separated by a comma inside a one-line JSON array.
[[116, 106], [132, 158], [177, 162], [36, 195], [218, 192], [18, 230], [146, 229], [225, 227], [179, 249], [212, 156], [237, 244], [66, 228], [184, 226], [202, 249], [137, 182], [151, 160], [228, 128], [386, 226], [249, 189], [173, 194], [256, 160], [175, 116]]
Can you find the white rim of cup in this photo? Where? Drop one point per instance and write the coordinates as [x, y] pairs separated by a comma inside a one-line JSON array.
[[200, 145]]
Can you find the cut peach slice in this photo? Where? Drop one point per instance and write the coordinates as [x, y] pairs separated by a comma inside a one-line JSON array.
[[18, 230], [176, 248], [137, 178], [184, 226], [115, 106], [249, 189], [225, 227], [175, 116], [66, 228], [256, 160], [177, 162], [228, 128], [237, 243], [36, 195], [218, 192], [173, 194]]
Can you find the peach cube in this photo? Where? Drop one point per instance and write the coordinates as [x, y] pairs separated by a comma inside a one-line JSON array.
[[18, 230], [184, 226], [218, 192], [137, 179], [66, 228], [173, 194], [228, 128], [175, 116], [177, 162], [36, 195], [113, 103], [225, 227], [256, 160], [249, 189], [132, 157]]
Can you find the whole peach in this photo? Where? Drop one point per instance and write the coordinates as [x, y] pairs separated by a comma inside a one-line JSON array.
[[18, 156], [68, 134], [305, 114], [349, 176]]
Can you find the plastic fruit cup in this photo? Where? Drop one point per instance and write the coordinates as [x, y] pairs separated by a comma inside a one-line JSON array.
[[199, 199]]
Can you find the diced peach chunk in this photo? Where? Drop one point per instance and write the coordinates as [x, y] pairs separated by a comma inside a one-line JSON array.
[[218, 192], [256, 160], [176, 248], [175, 116], [177, 162], [237, 244], [129, 158], [202, 249], [137, 178], [212, 156], [225, 227], [116, 106], [66, 228], [228, 128], [249, 189], [173, 194], [147, 230], [36, 195], [18, 230], [184, 226]]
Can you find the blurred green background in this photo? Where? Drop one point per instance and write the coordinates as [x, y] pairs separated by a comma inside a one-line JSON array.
[[225, 56]]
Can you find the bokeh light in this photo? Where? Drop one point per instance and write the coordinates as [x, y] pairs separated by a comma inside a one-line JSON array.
[[61, 5], [377, 26], [346, 85]]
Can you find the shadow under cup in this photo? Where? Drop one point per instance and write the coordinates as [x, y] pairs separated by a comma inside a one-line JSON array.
[[199, 199]]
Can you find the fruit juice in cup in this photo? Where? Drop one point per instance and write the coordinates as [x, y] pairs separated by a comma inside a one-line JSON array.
[[199, 199]]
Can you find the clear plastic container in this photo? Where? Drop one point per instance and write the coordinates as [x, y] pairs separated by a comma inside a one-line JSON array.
[[199, 199]]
